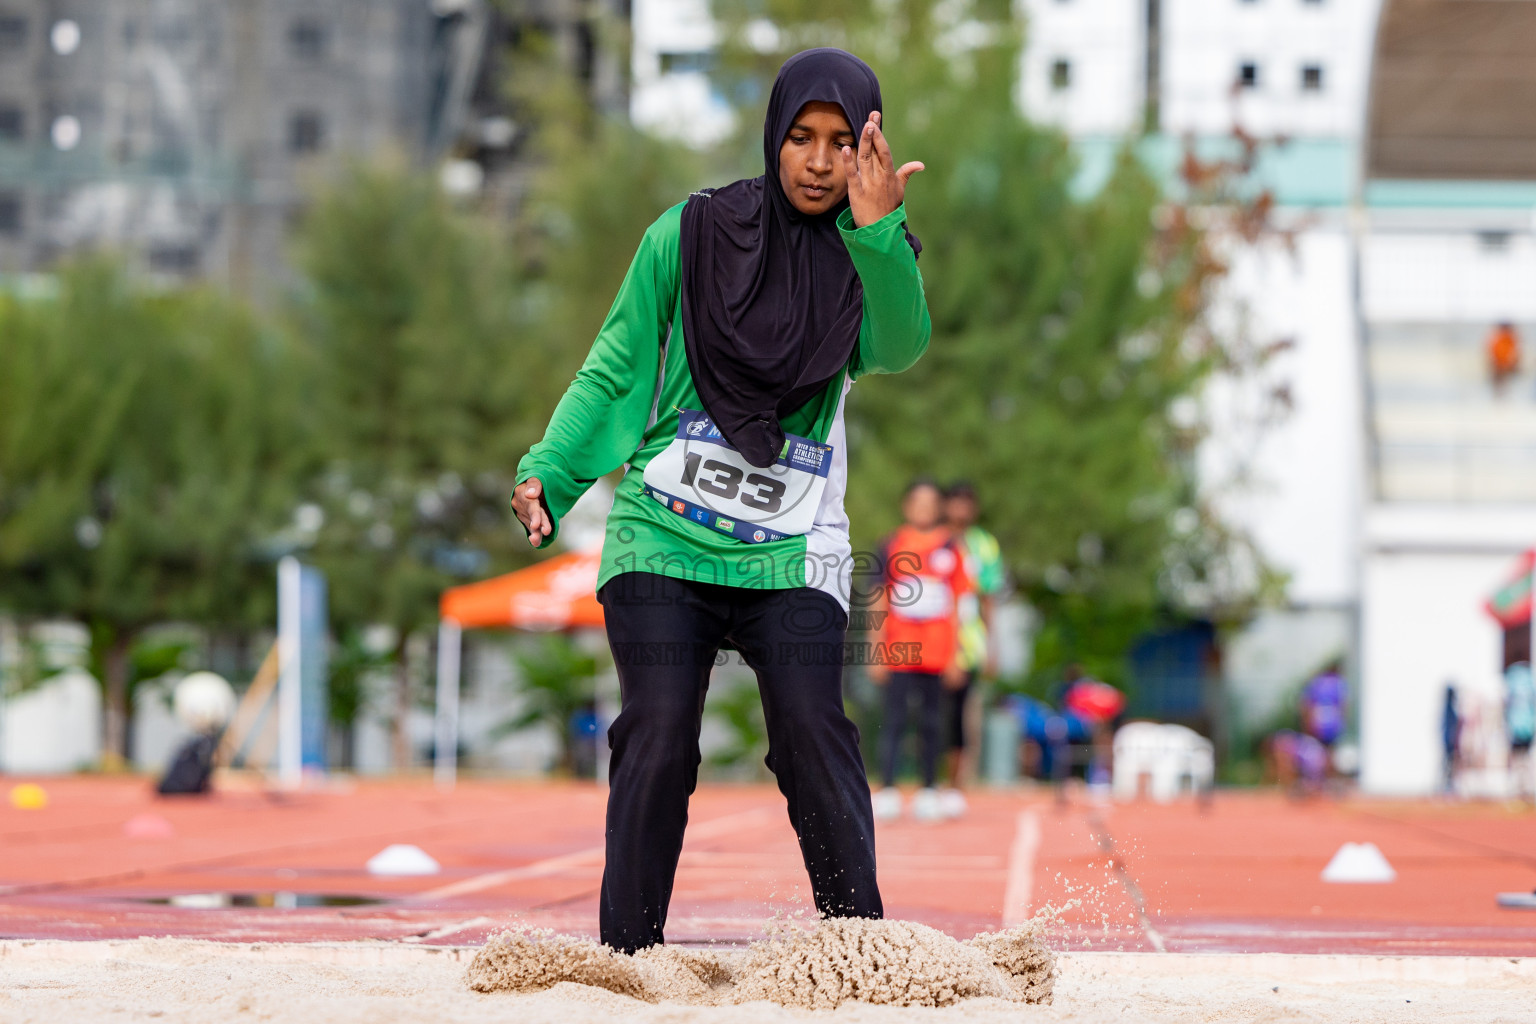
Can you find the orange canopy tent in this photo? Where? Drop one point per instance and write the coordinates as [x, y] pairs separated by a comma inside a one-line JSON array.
[[557, 593]]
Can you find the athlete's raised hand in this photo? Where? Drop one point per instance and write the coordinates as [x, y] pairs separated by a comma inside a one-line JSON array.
[[876, 186], [532, 512]]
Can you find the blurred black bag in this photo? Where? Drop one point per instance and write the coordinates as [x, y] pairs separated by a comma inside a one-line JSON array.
[[191, 768]]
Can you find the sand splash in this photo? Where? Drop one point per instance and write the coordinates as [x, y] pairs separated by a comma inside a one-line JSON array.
[[839, 960]]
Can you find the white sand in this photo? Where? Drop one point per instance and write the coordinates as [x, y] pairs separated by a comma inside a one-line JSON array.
[[381, 983]]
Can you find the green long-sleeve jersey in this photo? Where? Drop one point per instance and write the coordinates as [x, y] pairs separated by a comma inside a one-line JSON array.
[[624, 406]]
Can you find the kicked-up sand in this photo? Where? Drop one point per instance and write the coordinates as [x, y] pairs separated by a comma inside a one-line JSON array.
[[822, 967], [896, 972]]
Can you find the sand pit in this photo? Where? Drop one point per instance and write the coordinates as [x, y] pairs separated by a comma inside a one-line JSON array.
[[891, 963], [176, 980]]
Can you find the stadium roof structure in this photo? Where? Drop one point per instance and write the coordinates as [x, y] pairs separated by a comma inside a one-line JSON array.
[[1453, 91]]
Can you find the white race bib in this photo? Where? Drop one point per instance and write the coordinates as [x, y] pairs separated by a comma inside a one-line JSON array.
[[930, 598], [701, 477]]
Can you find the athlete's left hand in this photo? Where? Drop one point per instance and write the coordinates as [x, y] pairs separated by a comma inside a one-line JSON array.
[[954, 676], [876, 186]]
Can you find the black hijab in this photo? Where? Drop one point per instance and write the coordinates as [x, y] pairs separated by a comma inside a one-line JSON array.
[[771, 303]]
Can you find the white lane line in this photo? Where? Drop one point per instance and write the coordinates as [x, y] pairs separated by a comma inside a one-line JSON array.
[[1106, 843], [452, 929], [1021, 869], [740, 821]]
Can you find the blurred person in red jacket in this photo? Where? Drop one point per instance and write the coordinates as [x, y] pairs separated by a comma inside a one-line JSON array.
[[1100, 705], [924, 580]]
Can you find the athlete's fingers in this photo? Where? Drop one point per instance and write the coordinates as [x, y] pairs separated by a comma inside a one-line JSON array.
[[909, 169], [851, 169], [867, 143], [883, 149], [538, 526], [528, 503]]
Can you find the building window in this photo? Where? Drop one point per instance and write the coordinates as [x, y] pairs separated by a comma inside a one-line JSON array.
[[306, 132], [1248, 75], [1311, 78], [13, 32], [306, 39], [1493, 241], [1061, 74], [65, 132], [13, 124], [10, 213], [64, 37]]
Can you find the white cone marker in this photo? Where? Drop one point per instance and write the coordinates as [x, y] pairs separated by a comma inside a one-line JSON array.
[[1359, 862], [402, 859]]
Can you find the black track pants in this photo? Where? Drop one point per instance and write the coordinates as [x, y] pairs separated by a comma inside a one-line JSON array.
[[665, 634], [929, 687]]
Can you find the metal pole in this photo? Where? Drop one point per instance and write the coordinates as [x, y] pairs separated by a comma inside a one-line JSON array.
[[290, 722], [445, 762]]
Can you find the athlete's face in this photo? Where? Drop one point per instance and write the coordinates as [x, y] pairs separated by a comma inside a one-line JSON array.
[[810, 158], [922, 507]]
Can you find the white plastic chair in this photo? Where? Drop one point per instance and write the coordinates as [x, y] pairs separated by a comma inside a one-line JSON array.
[[1167, 755]]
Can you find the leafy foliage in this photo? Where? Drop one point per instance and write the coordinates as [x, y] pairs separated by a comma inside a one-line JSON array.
[[418, 407], [739, 711], [559, 681], [145, 449], [351, 665], [598, 183]]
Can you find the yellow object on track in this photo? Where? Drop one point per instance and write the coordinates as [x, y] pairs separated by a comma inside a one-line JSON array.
[[28, 796]]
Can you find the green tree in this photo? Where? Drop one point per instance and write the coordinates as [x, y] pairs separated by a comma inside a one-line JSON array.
[[350, 668], [559, 681], [146, 452], [597, 183], [738, 710], [423, 399]]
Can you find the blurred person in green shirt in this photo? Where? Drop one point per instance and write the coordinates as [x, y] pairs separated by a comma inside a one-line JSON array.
[[984, 565]]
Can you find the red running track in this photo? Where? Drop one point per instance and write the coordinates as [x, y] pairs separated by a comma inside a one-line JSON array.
[[1239, 875]]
